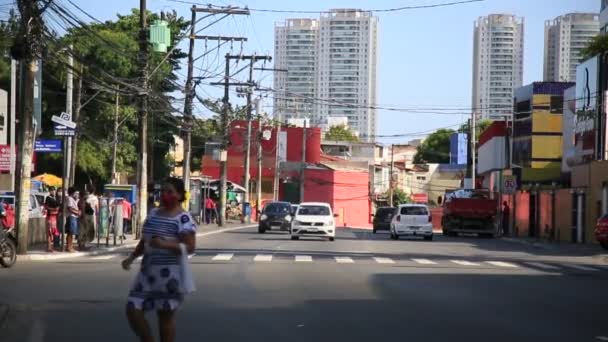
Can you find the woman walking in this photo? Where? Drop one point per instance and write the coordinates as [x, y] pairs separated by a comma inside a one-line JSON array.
[[169, 234]]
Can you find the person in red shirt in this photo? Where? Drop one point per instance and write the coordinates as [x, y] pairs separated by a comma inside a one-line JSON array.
[[209, 209], [126, 215]]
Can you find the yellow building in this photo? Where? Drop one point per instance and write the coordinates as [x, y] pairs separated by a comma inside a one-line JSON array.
[[537, 131]]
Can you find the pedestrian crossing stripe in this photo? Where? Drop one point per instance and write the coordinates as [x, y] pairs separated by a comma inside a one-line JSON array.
[[542, 265], [502, 264], [263, 257], [384, 260], [223, 257], [465, 263], [344, 260], [303, 258], [581, 267], [424, 261]]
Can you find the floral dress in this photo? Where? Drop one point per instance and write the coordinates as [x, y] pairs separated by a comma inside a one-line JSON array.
[[158, 283]]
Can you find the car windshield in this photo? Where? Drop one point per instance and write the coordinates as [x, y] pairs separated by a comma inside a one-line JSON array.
[[277, 208], [384, 212], [313, 210], [414, 211]]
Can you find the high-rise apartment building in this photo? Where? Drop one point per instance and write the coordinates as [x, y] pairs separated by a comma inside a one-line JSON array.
[[296, 51], [565, 37], [498, 56], [341, 82]]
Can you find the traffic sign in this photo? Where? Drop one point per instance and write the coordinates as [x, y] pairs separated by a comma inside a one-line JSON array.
[[509, 185], [63, 131], [65, 120], [47, 145]]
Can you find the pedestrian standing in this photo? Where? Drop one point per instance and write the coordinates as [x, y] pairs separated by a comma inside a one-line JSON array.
[[51, 206], [91, 212], [209, 209], [126, 215], [506, 216], [71, 226], [163, 279]]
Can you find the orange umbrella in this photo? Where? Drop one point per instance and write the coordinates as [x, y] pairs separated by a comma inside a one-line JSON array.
[[49, 180]]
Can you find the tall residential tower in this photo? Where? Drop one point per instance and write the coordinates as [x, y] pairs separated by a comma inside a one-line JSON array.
[[498, 55], [565, 37]]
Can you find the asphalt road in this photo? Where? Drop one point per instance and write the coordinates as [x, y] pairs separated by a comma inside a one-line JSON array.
[[362, 287]]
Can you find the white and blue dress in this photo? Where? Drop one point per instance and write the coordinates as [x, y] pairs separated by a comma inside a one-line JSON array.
[[158, 283]]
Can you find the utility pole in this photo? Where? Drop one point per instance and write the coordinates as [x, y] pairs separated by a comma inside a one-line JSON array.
[[258, 184], [142, 179], [390, 177], [189, 88], [29, 46], [303, 164], [277, 162], [75, 117], [473, 152], [224, 153], [115, 140], [14, 67], [67, 153]]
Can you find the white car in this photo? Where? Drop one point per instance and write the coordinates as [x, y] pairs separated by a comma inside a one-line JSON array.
[[412, 220], [313, 219]]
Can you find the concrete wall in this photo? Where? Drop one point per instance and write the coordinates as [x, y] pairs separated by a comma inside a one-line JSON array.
[[563, 215], [590, 178]]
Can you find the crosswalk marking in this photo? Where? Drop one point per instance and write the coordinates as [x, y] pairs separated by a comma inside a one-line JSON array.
[[384, 260], [344, 260], [103, 257], [223, 257], [424, 261], [542, 265], [581, 267], [502, 264], [263, 257], [303, 258], [465, 263]]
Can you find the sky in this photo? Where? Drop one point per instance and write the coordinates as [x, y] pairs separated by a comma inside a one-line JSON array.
[[425, 55]]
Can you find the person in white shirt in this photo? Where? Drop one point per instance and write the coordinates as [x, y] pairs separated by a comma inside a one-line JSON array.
[[71, 225]]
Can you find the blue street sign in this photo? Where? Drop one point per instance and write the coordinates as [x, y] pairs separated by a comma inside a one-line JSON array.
[[63, 131], [47, 146]]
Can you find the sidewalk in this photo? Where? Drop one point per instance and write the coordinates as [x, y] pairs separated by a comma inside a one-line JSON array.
[[39, 253], [563, 247]]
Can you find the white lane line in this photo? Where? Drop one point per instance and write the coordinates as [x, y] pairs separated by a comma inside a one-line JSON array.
[[581, 267], [465, 263], [424, 261], [502, 264], [303, 258], [384, 260], [103, 257], [542, 265], [344, 260], [263, 257], [223, 257], [601, 338]]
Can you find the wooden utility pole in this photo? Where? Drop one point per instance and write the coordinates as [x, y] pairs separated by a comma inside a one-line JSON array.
[[390, 177], [224, 154], [303, 163], [115, 136], [189, 88], [258, 184], [28, 47], [76, 118], [142, 173]]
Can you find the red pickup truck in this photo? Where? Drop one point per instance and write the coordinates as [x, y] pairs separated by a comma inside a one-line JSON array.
[[469, 211]]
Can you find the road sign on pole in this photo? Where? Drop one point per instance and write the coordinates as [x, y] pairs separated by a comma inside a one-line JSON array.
[[65, 120], [509, 185]]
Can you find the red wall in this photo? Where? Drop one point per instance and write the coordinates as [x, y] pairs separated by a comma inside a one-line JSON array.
[[347, 192]]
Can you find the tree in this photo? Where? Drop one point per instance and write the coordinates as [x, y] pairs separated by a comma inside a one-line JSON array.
[[341, 133], [435, 148], [399, 197], [480, 127], [598, 45]]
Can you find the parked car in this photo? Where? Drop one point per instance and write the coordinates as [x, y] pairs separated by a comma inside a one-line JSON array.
[[314, 219], [601, 231], [294, 208], [382, 218], [275, 215], [412, 220]]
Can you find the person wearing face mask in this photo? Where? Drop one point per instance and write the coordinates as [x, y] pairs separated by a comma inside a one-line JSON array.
[[169, 234]]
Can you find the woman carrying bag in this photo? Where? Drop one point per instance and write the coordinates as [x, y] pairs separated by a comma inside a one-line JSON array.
[[169, 235]]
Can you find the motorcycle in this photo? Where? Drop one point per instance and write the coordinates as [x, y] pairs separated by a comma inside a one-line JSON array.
[[8, 246]]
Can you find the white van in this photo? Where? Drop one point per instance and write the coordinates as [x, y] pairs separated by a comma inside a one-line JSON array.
[[412, 220]]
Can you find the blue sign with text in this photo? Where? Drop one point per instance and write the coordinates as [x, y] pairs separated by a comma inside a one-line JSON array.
[[47, 146]]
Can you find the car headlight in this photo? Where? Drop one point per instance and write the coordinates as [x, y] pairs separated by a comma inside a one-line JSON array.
[[263, 217], [297, 223], [288, 218]]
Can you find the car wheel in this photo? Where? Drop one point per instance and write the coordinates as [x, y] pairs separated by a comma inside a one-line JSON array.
[[332, 238], [394, 236], [429, 238], [374, 231], [261, 230], [604, 244], [295, 237]]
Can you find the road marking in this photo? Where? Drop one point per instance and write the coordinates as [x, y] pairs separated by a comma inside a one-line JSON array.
[[424, 261], [344, 260], [263, 257], [502, 264], [542, 265], [465, 263], [223, 257], [601, 338], [581, 267], [103, 257], [303, 258], [384, 260]]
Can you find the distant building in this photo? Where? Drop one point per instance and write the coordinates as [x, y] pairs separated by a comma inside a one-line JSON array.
[[498, 55], [537, 131], [333, 121], [565, 37], [604, 16]]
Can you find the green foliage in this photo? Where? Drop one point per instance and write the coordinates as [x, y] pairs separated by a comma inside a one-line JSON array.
[[435, 149], [340, 133], [400, 197], [480, 127], [598, 45]]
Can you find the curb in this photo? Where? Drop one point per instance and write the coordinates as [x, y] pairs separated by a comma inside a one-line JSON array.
[[47, 257]]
